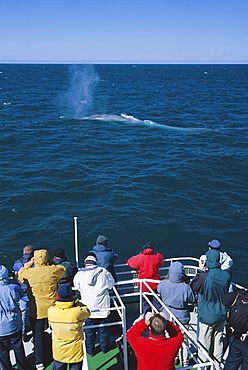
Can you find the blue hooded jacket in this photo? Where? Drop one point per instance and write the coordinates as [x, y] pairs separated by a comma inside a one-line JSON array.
[[10, 314], [212, 284], [21, 262], [17, 266], [175, 293], [106, 258]]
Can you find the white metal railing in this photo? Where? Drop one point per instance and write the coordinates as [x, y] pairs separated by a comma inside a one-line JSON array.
[[145, 295], [126, 289], [120, 308], [190, 271], [123, 271], [194, 343]]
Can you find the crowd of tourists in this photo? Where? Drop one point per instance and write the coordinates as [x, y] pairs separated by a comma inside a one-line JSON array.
[[56, 293]]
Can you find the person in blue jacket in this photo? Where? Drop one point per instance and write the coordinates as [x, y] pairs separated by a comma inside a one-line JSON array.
[[212, 285], [28, 253], [106, 257], [10, 322], [176, 293]]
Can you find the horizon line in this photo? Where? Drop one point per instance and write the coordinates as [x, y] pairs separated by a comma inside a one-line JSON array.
[[119, 62]]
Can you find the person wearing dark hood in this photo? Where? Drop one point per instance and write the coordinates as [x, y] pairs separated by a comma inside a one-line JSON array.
[[176, 294], [212, 285], [106, 257], [28, 253], [10, 322], [61, 259], [147, 263]]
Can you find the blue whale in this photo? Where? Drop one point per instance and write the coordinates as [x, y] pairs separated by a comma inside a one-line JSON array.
[[130, 119]]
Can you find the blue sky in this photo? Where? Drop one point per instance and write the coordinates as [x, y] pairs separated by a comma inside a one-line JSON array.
[[124, 31]]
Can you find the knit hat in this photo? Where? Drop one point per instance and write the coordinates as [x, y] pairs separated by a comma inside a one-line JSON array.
[[65, 293], [90, 260], [59, 252], [214, 244], [148, 246], [102, 240]]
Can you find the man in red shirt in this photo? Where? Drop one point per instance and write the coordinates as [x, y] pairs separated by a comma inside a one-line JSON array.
[[155, 352], [148, 264]]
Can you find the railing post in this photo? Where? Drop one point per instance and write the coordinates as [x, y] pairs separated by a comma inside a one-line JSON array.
[[76, 240], [140, 303], [85, 360], [124, 331]]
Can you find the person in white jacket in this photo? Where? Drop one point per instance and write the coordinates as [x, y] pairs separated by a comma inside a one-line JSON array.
[[94, 283], [225, 260]]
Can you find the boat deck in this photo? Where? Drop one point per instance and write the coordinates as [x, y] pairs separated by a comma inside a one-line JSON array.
[[125, 309]]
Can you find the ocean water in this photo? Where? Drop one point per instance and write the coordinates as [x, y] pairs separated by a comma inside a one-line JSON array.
[[137, 152]]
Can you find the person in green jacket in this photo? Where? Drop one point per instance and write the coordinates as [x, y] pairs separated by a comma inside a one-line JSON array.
[[61, 259], [211, 285]]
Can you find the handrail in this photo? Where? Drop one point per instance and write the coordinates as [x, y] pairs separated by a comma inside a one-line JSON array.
[[134, 282], [165, 260], [141, 294], [181, 326], [120, 308], [130, 271]]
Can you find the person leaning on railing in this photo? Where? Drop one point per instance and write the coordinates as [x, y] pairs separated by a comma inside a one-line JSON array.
[[148, 263]]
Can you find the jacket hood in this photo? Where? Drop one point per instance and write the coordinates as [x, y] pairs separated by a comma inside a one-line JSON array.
[[213, 257], [176, 272], [148, 251], [4, 274], [100, 248], [41, 257], [90, 273], [64, 305]]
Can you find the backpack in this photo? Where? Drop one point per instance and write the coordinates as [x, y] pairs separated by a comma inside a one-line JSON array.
[[238, 315]]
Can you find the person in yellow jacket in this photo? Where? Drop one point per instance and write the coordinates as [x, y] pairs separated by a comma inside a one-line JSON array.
[[66, 319], [41, 277]]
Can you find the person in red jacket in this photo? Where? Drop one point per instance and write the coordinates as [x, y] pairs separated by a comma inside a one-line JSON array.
[[148, 264], [157, 352]]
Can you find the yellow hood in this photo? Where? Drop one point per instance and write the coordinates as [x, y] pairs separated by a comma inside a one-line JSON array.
[[63, 305], [41, 257]]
